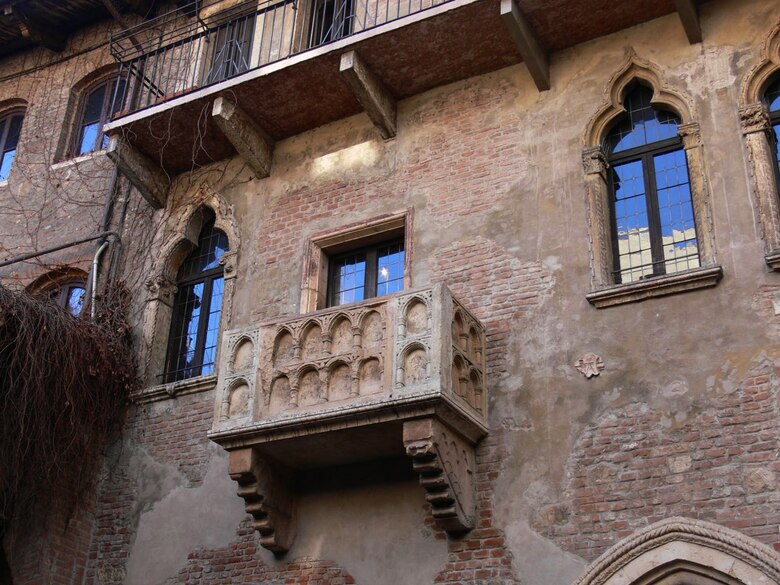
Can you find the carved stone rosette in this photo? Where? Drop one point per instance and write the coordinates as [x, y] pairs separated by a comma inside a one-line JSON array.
[[344, 383]]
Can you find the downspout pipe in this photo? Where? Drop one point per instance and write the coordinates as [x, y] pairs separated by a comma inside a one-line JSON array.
[[95, 262]]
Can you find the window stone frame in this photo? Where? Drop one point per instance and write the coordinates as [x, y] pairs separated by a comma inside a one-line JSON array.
[[314, 281], [604, 292], [183, 227], [756, 130]]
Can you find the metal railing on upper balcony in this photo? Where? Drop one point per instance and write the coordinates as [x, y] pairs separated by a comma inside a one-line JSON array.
[[189, 49]]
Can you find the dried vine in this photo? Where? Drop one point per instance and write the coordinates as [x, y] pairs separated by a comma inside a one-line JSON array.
[[64, 382]]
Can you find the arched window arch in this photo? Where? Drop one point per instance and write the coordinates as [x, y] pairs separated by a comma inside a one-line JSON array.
[[197, 307], [653, 230], [10, 130], [65, 286]]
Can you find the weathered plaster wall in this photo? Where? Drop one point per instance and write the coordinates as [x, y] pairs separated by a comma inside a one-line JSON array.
[[681, 422]]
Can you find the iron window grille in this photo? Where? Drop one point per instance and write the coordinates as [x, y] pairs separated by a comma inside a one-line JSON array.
[[365, 273], [10, 129], [652, 217], [331, 20], [96, 110], [197, 308], [232, 50]]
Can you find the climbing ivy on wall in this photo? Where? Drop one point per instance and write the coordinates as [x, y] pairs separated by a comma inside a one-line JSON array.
[[64, 383]]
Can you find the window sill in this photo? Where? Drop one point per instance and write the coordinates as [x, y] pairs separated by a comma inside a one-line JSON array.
[[174, 389], [4, 183], [78, 159], [656, 287]]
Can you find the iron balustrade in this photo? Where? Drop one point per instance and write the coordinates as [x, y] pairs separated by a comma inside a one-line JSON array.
[[189, 49]]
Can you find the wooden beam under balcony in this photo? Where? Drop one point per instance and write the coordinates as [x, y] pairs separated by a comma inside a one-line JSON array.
[[371, 92], [251, 142], [689, 16], [143, 173], [524, 36], [33, 28]]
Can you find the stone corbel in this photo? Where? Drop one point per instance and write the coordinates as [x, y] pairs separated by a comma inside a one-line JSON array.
[[446, 464], [265, 489]]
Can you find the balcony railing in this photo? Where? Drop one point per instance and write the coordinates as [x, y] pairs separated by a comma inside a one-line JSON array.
[[176, 54]]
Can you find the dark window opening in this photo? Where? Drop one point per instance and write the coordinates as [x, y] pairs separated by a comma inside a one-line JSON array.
[[365, 273], [10, 129], [653, 224], [197, 308], [331, 20], [98, 107], [71, 296]]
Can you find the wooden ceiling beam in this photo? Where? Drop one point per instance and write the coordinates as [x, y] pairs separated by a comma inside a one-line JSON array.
[[531, 50], [37, 31], [689, 16]]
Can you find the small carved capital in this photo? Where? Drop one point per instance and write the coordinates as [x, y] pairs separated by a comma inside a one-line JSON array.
[[446, 464], [754, 118], [264, 488], [229, 261], [594, 161], [690, 134], [161, 288]]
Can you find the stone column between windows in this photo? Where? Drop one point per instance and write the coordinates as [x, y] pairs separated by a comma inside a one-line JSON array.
[[594, 162], [756, 127], [691, 138]]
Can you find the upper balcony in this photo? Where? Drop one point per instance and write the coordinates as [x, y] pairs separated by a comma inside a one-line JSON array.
[[289, 66], [391, 376]]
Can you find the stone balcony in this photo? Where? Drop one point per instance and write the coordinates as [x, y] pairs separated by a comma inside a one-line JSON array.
[[393, 376]]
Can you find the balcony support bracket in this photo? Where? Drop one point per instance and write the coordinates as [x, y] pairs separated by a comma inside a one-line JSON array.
[[689, 16], [531, 50], [251, 142], [146, 176], [446, 464], [264, 486], [371, 92]]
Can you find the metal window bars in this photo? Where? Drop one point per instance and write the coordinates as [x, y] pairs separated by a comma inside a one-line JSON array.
[[177, 53]]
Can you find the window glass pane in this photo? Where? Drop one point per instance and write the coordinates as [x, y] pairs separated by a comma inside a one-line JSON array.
[[632, 225], [74, 300], [678, 229], [349, 280], [93, 107], [776, 128], [89, 137], [643, 124], [390, 269], [212, 330], [772, 97], [6, 162], [13, 133], [185, 335]]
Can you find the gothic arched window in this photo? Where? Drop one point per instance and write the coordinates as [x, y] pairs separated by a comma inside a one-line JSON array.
[[197, 307], [653, 224]]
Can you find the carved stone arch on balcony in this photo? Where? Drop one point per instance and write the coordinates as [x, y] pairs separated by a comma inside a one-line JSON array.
[[284, 346], [341, 382], [370, 372], [414, 315], [684, 546], [372, 327], [413, 364], [757, 131], [595, 166], [181, 227], [338, 334], [310, 385], [311, 340]]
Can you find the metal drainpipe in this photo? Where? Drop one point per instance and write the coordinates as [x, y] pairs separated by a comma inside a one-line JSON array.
[[95, 261]]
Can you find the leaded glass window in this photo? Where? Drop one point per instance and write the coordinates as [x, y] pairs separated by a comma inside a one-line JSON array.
[[197, 308], [368, 272], [653, 224]]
